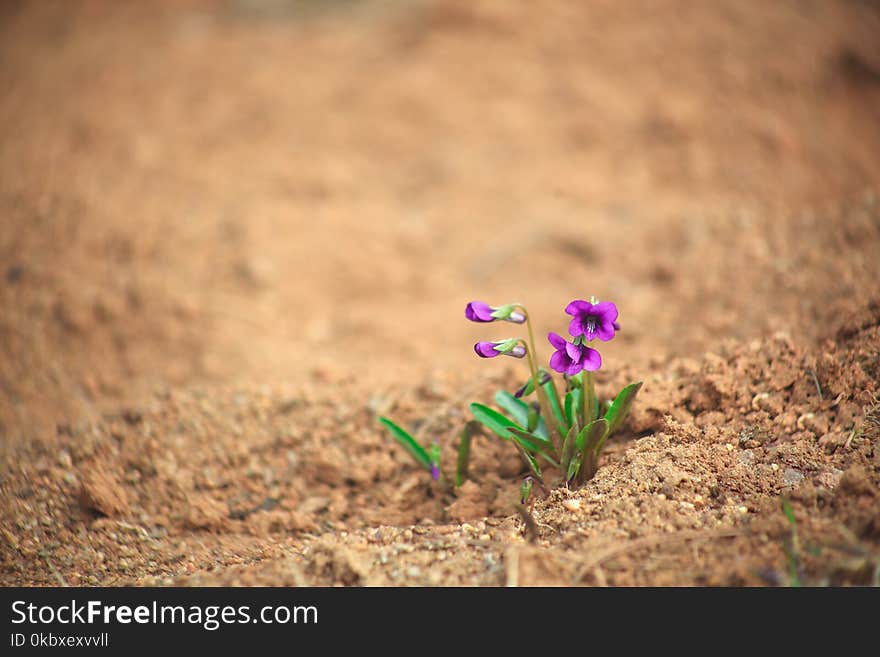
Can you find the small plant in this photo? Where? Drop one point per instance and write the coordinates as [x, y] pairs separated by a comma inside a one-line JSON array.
[[566, 433]]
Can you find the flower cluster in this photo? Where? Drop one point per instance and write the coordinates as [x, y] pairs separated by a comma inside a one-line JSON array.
[[590, 320]]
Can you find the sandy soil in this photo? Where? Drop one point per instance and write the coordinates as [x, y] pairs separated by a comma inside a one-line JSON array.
[[233, 233]]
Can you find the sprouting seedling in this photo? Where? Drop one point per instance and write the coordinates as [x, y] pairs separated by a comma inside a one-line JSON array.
[[566, 433], [420, 454], [429, 459]]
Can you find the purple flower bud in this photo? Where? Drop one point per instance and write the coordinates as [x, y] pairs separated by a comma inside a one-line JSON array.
[[501, 348], [592, 321], [477, 311], [435, 472], [528, 385]]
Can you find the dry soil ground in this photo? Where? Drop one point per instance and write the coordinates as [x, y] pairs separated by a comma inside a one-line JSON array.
[[233, 233]]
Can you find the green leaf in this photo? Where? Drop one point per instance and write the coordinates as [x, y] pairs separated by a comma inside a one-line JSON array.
[[555, 407], [591, 435], [409, 443], [568, 447], [574, 466], [493, 420], [533, 443], [620, 407], [789, 513], [573, 403], [534, 419], [519, 411], [464, 453], [589, 445], [530, 461]]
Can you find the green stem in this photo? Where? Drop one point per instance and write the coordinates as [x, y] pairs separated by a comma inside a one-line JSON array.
[[591, 459], [543, 401], [589, 398], [577, 382]]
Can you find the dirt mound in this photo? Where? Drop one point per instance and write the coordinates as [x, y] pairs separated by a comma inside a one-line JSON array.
[[269, 486], [233, 231]]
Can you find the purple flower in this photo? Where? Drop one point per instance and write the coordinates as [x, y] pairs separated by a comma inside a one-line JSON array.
[[435, 472], [477, 311], [592, 320], [504, 347], [570, 358]]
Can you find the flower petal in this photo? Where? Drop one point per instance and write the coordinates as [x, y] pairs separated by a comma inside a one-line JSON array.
[[477, 311], [592, 359], [559, 361], [573, 351], [605, 311], [576, 326], [605, 331], [578, 306], [556, 340], [574, 368], [486, 350]]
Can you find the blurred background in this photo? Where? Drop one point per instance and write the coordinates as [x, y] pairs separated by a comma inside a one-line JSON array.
[[258, 191]]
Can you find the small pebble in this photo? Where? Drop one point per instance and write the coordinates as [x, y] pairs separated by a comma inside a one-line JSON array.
[[64, 459], [792, 477], [571, 504]]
